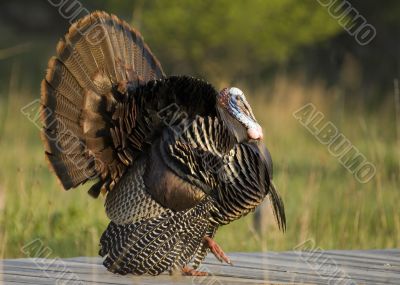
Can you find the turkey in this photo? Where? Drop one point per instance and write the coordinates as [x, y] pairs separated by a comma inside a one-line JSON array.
[[174, 158]]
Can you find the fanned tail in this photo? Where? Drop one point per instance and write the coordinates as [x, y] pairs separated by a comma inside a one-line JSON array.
[[85, 112]]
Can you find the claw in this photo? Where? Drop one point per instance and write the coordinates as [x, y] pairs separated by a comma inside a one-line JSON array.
[[217, 250], [187, 271]]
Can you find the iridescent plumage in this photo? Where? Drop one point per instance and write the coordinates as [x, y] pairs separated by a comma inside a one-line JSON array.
[[175, 158]]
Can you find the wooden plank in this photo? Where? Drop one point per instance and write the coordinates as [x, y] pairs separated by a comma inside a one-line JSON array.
[[364, 261], [237, 269], [294, 267]]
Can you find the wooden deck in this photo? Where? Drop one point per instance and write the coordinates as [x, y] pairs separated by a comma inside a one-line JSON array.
[[295, 267]]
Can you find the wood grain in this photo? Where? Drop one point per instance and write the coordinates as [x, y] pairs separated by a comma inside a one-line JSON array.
[[294, 267]]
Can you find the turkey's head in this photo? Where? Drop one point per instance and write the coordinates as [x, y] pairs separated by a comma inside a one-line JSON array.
[[236, 113]]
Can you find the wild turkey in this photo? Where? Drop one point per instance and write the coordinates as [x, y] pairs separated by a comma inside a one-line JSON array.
[[175, 158]]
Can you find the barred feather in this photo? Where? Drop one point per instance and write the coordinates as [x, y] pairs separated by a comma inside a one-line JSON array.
[[99, 53], [155, 245], [129, 202], [178, 165]]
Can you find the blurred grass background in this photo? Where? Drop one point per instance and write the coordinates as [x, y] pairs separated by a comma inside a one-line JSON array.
[[283, 54]]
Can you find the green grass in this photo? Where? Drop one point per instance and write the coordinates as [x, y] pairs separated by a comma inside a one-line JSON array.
[[323, 200]]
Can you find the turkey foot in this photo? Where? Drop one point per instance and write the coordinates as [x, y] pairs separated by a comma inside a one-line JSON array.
[[216, 250], [187, 271]]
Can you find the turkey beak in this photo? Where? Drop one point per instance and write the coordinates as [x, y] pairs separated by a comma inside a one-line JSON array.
[[233, 102]]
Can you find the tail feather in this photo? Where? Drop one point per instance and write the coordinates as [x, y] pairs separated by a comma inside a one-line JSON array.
[[59, 103], [78, 100], [61, 79], [76, 66]]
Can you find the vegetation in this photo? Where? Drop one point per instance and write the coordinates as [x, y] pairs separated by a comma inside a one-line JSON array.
[[283, 54], [224, 40]]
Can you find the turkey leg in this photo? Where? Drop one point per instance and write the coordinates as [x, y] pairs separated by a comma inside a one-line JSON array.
[[216, 250]]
